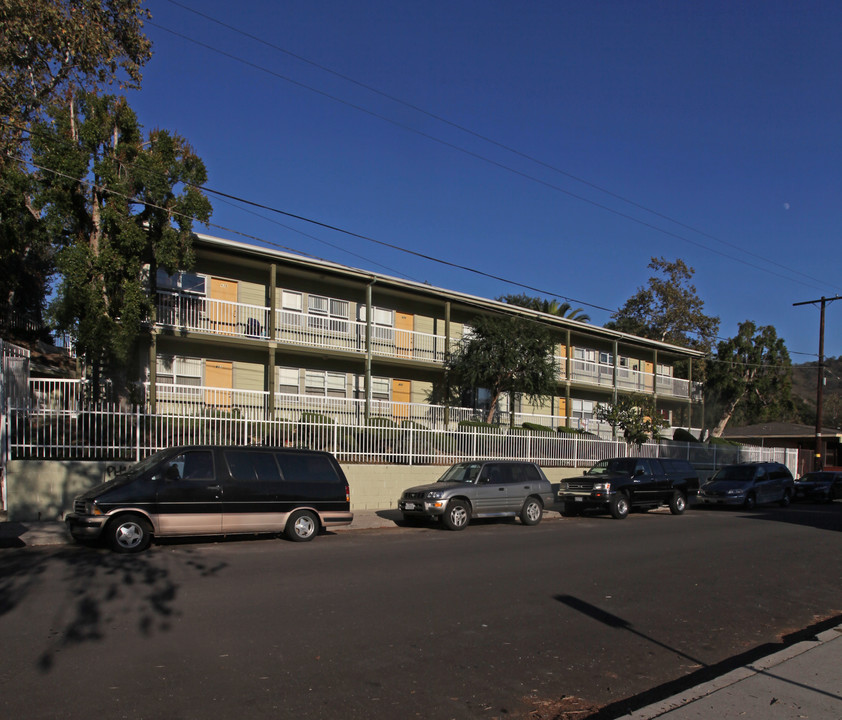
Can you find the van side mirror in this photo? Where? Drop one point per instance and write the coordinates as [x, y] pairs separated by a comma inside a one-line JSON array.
[[172, 473]]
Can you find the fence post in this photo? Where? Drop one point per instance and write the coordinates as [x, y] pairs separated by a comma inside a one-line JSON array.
[[137, 434], [336, 439], [575, 450], [411, 435]]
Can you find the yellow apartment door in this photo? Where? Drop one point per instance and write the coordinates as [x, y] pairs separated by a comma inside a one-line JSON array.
[[219, 380], [649, 377], [404, 324], [401, 397], [562, 409], [223, 306]]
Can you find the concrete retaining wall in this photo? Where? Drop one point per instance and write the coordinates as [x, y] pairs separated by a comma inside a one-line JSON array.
[[45, 489]]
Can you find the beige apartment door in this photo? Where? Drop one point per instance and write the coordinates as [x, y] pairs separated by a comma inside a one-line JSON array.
[[401, 397], [219, 380], [223, 307], [404, 325]]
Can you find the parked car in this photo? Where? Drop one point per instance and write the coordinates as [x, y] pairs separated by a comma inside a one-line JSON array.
[[618, 484], [824, 485], [205, 490], [481, 489], [749, 484]]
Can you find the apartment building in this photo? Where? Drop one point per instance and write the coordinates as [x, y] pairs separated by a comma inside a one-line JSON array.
[[259, 333]]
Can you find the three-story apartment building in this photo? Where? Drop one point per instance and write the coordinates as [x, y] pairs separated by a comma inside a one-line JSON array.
[[267, 334]]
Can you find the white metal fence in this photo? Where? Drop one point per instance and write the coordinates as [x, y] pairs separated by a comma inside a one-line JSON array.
[[105, 431]]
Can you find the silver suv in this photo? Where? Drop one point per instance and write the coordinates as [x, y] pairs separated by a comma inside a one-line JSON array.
[[480, 489]]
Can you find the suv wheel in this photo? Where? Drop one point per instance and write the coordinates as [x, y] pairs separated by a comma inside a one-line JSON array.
[[302, 526], [678, 503], [749, 502], [532, 511], [785, 499], [619, 506], [457, 515]]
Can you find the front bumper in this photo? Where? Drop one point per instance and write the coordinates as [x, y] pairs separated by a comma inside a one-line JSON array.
[[720, 499], [85, 527], [593, 499], [422, 508]]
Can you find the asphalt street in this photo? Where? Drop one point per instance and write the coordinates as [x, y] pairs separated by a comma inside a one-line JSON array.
[[412, 622]]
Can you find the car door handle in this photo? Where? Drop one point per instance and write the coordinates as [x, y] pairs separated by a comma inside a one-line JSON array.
[[502, 489], [214, 487]]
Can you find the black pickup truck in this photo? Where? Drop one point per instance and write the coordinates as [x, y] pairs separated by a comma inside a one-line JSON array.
[[619, 484]]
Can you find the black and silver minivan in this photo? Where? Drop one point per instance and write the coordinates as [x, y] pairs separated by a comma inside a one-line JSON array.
[[212, 490]]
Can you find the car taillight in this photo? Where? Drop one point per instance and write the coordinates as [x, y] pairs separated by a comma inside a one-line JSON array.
[[347, 494]]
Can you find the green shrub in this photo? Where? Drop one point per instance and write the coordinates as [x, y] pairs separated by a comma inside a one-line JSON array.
[[314, 417], [537, 427], [682, 435]]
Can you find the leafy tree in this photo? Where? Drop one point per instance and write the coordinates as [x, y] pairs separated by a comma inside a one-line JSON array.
[[668, 309], [26, 253], [118, 207], [51, 48], [49, 51], [503, 355], [552, 307], [749, 379], [635, 415]]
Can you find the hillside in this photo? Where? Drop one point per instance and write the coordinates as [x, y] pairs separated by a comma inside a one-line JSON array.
[[804, 392]]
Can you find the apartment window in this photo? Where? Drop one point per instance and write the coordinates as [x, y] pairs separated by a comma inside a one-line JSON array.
[[288, 380], [581, 409], [319, 382], [328, 314], [291, 301], [174, 370], [380, 387], [183, 282], [665, 370]]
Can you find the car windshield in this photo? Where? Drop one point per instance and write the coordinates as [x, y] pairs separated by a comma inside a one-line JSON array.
[[462, 472], [736, 473], [615, 465], [143, 465]]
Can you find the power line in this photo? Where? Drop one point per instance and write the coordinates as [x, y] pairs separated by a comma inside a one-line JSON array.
[[486, 139]]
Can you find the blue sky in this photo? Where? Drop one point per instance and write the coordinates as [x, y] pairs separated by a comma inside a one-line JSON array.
[[559, 145]]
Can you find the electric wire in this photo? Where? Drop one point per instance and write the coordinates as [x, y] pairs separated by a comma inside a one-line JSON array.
[[490, 161]]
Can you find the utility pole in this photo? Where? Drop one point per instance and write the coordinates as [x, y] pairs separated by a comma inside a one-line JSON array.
[[817, 461]]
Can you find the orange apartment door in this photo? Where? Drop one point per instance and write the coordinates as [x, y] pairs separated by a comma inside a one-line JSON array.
[[219, 380], [404, 325], [223, 314], [401, 397], [562, 410], [649, 377]]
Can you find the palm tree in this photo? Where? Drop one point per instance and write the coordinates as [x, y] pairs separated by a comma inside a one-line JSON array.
[[551, 307]]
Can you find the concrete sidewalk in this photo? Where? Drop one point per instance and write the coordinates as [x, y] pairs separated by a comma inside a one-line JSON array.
[[804, 680]]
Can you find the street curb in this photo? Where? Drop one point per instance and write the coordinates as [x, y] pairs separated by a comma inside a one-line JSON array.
[[664, 707]]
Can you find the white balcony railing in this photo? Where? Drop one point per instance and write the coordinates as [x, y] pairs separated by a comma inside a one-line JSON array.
[[218, 317]]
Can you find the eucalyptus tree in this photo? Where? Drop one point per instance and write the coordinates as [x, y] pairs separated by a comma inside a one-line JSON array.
[[117, 205]]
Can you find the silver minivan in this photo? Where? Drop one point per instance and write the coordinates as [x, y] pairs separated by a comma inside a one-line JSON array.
[[749, 484]]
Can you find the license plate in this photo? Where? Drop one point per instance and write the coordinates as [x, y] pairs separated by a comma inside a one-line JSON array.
[[409, 506], [577, 499]]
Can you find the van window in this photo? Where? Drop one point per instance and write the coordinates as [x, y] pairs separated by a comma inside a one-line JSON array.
[[249, 465], [194, 465], [298, 467]]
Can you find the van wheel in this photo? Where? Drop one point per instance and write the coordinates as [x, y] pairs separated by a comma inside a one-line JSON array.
[[678, 503], [619, 506], [302, 526], [129, 534], [457, 515], [531, 512]]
